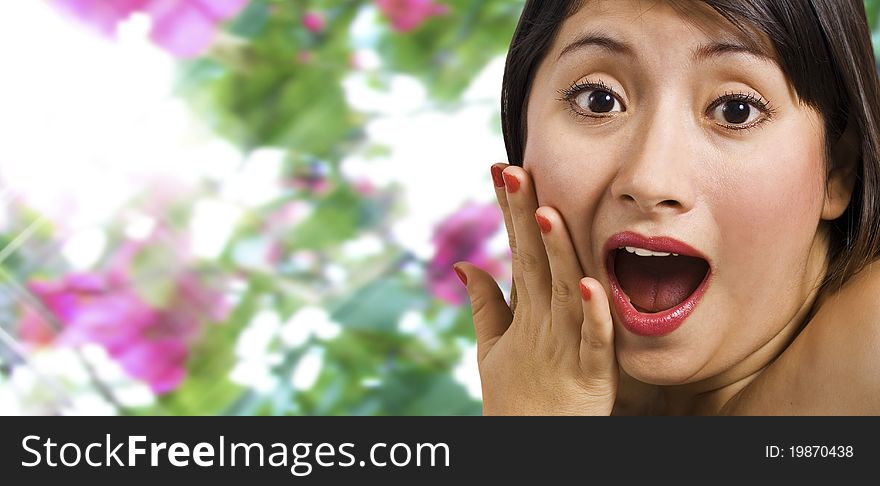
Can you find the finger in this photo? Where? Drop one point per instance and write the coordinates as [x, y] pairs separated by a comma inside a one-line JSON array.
[[565, 275], [530, 255], [492, 316], [597, 357], [501, 196]]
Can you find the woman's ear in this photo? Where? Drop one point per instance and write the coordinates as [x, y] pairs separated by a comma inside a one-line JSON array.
[[844, 156]]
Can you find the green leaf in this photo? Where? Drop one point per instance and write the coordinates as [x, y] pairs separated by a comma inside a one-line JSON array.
[[444, 396], [334, 220], [379, 306], [252, 20]]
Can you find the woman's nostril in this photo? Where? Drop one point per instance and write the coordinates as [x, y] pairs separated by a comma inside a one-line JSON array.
[[648, 205]]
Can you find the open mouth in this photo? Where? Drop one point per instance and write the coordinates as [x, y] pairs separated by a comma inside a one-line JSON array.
[[656, 282]]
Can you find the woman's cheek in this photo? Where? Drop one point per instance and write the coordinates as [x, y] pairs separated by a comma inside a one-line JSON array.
[[569, 177], [555, 165], [770, 211], [569, 167]]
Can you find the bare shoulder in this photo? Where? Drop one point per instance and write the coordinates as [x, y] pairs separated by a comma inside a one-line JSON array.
[[833, 366]]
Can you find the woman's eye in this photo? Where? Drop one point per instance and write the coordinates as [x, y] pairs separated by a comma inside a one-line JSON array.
[[597, 101], [736, 112]]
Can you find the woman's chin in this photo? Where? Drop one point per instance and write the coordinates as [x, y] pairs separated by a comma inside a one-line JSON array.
[[656, 368]]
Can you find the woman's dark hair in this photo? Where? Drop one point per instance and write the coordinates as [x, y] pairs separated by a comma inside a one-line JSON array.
[[823, 47]]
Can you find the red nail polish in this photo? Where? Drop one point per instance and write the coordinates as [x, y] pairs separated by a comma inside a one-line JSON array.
[[511, 182], [461, 275], [585, 292], [497, 176], [543, 223]]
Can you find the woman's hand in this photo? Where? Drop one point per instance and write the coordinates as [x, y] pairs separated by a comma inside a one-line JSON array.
[[551, 352]]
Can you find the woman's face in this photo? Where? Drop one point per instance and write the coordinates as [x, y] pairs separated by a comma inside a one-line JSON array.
[[664, 123]]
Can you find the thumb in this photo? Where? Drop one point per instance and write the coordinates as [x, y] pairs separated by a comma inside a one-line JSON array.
[[491, 314]]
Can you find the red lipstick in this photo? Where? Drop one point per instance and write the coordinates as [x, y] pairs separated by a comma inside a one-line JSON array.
[[657, 323]]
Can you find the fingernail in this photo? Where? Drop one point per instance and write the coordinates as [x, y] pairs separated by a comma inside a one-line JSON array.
[[585, 292], [497, 176], [461, 274], [511, 182], [543, 223]]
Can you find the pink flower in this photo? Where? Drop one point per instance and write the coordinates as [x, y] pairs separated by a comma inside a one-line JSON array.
[[462, 237], [407, 15], [160, 362], [313, 22], [91, 309], [103, 15], [185, 28], [150, 344]]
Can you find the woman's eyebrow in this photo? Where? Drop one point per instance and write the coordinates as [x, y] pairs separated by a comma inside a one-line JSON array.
[[595, 39], [716, 49], [702, 53]]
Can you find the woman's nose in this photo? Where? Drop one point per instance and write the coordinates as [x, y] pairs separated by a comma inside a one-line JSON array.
[[656, 174]]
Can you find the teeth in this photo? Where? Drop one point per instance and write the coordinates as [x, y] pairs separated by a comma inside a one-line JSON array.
[[644, 252]]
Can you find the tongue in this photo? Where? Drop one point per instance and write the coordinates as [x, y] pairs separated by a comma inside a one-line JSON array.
[[654, 284]]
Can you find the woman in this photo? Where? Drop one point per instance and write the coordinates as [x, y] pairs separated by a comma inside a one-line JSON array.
[[692, 210]]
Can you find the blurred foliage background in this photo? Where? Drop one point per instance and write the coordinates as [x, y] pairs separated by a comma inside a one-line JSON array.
[[247, 207]]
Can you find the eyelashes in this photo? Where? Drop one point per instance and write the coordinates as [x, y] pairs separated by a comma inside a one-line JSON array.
[[570, 95], [576, 88], [726, 111], [751, 99]]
